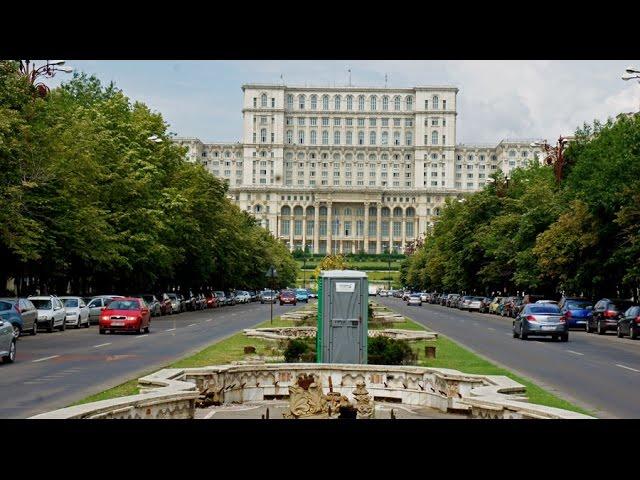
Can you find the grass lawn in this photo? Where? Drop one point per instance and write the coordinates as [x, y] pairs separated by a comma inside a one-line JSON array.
[[448, 355]]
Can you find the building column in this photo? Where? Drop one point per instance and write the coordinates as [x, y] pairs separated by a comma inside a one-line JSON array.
[[292, 225], [379, 230], [304, 230], [366, 228], [316, 228], [329, 228], [403, 225]]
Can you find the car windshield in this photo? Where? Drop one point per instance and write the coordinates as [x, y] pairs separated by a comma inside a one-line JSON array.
[[70, 302], [172, 296], [620, 305], [42, 304], [478, 299], [542, 309], [267, 292], [5, 306], [124, 305], [415, 295], [575, 305]]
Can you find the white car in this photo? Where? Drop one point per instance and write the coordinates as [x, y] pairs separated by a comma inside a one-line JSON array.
[[414, 299], [243, 297], [51, 312], [77, 311], [383, 293], [423, 296]]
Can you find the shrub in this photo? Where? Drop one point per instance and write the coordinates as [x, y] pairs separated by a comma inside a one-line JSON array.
[[389, 351], [299, 350]]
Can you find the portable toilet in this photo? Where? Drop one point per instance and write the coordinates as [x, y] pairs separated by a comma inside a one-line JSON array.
[[343, 310]]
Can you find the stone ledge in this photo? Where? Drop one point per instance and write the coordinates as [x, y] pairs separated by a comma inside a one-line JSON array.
[[171, 393], [287, 333]]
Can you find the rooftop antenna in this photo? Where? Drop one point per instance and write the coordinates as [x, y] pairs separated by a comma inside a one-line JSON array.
[[282, 78], [349, 76], [385, 80]]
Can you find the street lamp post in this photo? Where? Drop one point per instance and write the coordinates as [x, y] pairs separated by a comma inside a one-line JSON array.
[[48, 70], [272, 273], [555, 155]]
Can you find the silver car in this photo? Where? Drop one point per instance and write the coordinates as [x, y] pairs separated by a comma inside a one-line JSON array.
[[474, 303], [243, 297], [97, 304], [7, 342], [541, 320], [51, 312], [267, 296], [414, 299], [77, 311]]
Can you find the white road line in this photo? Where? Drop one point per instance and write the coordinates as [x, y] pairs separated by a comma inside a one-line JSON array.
[[191, 324], [491, 328], [210, 414], [170, 330], [209, 320], [45, 358], [142, 336], [628, 368], [102, 345], [575, 353]]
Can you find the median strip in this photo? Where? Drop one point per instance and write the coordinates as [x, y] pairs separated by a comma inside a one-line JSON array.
[[45, 358]]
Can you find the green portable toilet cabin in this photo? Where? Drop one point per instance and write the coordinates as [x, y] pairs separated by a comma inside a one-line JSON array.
[[343, 311]]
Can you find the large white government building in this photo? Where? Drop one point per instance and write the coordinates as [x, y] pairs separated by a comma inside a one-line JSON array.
[[351, 169]]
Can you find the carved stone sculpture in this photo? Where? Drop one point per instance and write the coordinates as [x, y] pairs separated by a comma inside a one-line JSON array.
[[364, 401], [306, 398]]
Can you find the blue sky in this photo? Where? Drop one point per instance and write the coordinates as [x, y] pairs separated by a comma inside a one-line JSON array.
[[497, 98]]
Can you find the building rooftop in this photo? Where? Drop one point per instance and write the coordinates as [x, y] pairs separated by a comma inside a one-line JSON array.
[[349, 87]]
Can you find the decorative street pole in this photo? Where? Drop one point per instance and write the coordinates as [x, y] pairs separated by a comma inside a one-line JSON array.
[[632, 73], [272, 273], [47, 70], [555, 155]]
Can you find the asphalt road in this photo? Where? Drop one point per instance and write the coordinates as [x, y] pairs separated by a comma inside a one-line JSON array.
[[598, 372], [54, 370]]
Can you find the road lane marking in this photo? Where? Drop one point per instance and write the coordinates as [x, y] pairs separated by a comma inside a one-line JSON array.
[[45, 358], [142, 336], [491, 328], [191, 324], [102, 345], [628, 368], [170, 330], [209, 320], [575, 353], [210, 414]]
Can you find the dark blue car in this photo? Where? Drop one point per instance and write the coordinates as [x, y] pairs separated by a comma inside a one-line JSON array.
[[577, 311]]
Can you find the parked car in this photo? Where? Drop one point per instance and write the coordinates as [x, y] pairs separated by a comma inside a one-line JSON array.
[[514, 306], [504, 306], [414, 299], [243, 296], [202, 301], [177, 305], [165, 304], [629, 324], [302, 295], [97, 305], [51, 312], [510, 306], [8, 342], [288, 297], [77, 311], [484, 304], [473, 303], [405, 295], [152, 302], [606, 314], [126, 314], [267, 296], [495, 305], [21, 314], [398, 293], [576, 311], [527, 299], [312, 294], [212, 300], [452, 300], [540, 320], [383, 293], [547, 302], [424, 296]]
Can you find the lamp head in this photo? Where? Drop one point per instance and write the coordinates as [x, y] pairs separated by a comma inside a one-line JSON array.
[[631, 69]]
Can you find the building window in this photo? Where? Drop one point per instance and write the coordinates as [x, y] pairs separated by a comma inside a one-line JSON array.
[[263, 100], [434, 138], [385, 138], [409, 103], [301, 137], [385, 229], [309, 227], [434, 102], [290, 102], [336, 138], [444, 104], [314, 102], [313, 137], [297, 229], [289, 137], [373, 103], [385, 103], [263, 135], [285, 227], [396, 103], [360, 138], [349, 102], [409, 229], [336, 102], [409, 138], [349, 138], [372, 138], [273, 105], [325, 102], [396, 138], [325, 137], [361, 102], [255, 102], [301, 100]]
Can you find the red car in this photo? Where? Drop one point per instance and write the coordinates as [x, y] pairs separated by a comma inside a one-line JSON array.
[[212, 301], [288, 296], [127, 314]]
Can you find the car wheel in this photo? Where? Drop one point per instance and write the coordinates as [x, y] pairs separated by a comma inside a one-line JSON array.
[[50, 326], [63, 327], [632, 332], [523, 335], [102, 331], [146, 329], [564, 337], [600, 329], [12, 353], [587, 327], [88, 324], [79, 321], [619, 331], [139, 329], [515, 335], [16, 331], [34, 329]]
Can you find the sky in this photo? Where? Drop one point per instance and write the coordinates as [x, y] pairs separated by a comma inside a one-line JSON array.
[[497, 98]]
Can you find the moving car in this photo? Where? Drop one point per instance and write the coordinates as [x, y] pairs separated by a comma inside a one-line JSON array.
[[576, 310], [7, 342], [288, 297], [606, 314], [77, 311], [21, 314], [268, 296], [541, 320], [51, 312], [629, 324], [302, 295], [97, 305], [414, 299], [127, 314]]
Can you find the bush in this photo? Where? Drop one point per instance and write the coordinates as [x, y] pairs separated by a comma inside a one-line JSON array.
[[298, 350], [389, 351]]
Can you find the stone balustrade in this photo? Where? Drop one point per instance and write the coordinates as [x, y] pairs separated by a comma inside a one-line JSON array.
[[171, 393], [287, 333]]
